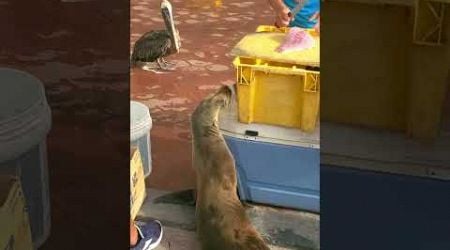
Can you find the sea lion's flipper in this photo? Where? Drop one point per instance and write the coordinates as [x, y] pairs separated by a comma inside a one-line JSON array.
[[185, 197]]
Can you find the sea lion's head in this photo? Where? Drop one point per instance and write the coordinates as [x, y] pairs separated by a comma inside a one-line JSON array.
[[207, 112]]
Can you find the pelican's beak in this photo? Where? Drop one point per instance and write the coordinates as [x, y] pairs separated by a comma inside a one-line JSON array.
[[166, 10]]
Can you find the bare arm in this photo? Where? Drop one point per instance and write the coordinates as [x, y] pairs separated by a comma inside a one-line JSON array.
[[316, 17], [276, 4]]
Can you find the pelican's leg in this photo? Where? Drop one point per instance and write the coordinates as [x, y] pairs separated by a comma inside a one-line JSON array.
[[168, 63], [152, 67], [160, 63], [163, 64]]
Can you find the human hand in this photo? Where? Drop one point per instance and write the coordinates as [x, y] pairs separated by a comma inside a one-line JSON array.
[[282, 17], [316, 16]]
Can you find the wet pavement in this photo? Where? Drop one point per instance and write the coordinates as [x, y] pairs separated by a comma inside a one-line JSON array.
[[209, 29], [283, 229]]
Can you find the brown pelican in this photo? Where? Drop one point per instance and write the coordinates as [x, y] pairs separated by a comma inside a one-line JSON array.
[[155, 45]]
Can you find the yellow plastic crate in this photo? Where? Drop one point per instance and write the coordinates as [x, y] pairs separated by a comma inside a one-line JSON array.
[[262, 44], [277, 92], [268, 28]]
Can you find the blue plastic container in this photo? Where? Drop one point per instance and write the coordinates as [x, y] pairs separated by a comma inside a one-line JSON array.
[[276, 166], [25, 120], [140, 126]]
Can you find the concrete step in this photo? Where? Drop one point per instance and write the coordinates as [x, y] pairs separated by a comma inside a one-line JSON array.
[[283, 228]]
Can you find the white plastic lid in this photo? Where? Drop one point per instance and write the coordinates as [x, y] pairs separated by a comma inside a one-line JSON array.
[[25, 117], [140, 120]]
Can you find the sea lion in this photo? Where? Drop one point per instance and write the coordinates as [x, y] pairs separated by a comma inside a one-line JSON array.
[[222, 223]]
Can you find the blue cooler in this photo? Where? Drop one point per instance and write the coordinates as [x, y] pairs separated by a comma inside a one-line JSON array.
[[276, 166]]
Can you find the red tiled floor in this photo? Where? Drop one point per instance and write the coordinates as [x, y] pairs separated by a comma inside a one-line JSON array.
[[209, 30]]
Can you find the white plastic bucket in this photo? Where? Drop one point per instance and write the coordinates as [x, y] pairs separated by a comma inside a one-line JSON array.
[[25, 120], [140, 126]]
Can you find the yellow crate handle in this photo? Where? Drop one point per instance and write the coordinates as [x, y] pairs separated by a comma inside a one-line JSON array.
[[270, 28]]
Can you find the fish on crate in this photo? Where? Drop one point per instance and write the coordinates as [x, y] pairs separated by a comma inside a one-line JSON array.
[[296, 39]]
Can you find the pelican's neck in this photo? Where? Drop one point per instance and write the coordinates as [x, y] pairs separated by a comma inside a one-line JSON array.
[[166, 9]]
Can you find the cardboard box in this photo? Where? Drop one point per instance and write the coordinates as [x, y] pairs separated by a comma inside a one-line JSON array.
[[15, 230], [137, 183]]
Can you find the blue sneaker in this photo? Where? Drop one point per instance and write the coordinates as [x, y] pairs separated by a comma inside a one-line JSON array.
[[150, 235]]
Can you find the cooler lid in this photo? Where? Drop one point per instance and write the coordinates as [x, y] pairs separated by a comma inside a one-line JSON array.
[[230, 126], [25, 117], [19, 92], [140, 120]]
